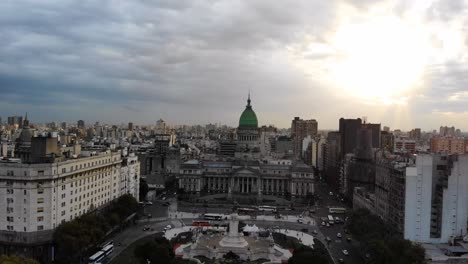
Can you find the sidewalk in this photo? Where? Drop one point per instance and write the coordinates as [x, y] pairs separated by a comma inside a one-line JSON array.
[[304, 238]]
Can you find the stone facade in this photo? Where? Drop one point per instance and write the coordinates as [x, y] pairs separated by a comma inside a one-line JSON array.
[[278, 177]]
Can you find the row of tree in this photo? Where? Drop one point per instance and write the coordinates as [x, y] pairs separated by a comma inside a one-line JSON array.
[[379, 244], [76, 238], [16, 260]]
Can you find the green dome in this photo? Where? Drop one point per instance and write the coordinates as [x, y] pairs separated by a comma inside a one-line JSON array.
[[248, 119]]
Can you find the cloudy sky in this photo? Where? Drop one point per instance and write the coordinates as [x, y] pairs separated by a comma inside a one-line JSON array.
[[399, 63]]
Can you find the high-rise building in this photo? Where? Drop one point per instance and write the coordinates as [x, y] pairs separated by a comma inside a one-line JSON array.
[[415, 134], [404, 145], [436, 198], [130, 126], [300, 129], [332, 159], [449, 145], [81, 124], [348, 129], [64, 125], [386, 142], [447, 131]]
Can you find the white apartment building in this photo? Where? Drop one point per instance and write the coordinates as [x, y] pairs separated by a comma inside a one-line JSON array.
[[130, 176], [436, 204], [39, 197]]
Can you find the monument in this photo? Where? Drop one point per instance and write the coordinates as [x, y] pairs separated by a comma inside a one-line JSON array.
[[233, 240], [216, 245]]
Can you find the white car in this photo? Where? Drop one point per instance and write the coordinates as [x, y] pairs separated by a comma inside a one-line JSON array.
[[149, 203], [338, 235], [323, 224], [168, 227], [345, 252]]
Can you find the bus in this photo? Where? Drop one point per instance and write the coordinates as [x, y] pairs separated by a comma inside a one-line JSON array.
[[246, 211], [337, 210], [267, 208], [97, 258], [330, 220], [213, 217], [108, 249], [201, 223]]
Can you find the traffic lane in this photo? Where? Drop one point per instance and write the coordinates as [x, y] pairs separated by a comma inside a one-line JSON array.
[[157, 209], [338, 245], [130, 235]]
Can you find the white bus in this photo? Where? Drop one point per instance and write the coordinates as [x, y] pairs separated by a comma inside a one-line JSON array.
[[108, 249], [213, 216], [330, 220], [267, 208], [336, 210], [97, 258]]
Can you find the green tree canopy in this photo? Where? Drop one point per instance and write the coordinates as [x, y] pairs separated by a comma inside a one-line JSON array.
[[156, 251], [306, 255]]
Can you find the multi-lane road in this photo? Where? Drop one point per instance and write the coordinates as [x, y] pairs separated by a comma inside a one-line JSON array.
[[336, 246]]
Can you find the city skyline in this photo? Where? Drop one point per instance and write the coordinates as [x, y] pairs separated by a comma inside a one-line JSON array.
[[194, 62]]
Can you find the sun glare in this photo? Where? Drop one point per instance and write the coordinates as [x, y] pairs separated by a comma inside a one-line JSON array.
[[379, 61]]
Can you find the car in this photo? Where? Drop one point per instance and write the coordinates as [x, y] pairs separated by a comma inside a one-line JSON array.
[[141, 204], [168, 227], [341, 260], [149, 203], [145, 228], [345, 252], [164, 198], [348, 239], [346, 231], [166, 204], [175, 193], [328, 225], [339, 235], [312, 211], [328, 238], [275, 227], [331, 193], [314, 232], [323, 224], [300, 221]]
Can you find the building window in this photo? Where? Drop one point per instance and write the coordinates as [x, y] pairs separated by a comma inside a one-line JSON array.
[[9, 191], [10, 219], [10, 173], [40, 209], [9, 210], [63, 213], [9, 200], [63, 204], [40, 200], [39, 228], [40, 173], [10, 228], [40, 218], [24, 192]]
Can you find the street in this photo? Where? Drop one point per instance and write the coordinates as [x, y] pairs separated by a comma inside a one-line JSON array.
[[161, 215]]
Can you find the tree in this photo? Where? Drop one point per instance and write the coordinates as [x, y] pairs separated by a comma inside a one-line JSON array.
[[156, 251], [378, 241], [143, 189], [306, 255], [16, 260]]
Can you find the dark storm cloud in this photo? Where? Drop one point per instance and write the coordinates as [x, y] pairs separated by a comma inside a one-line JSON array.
[[181, 60]]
